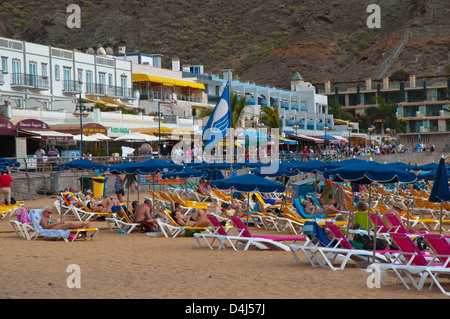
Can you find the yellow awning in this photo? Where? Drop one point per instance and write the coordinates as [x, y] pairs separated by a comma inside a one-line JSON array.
[[120, 103], [99, 102], [139, 77]]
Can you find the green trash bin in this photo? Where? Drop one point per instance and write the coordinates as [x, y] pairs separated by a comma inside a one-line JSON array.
[[99, 186], [85, 183]]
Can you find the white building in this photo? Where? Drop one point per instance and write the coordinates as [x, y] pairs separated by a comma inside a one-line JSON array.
[[49, 78]]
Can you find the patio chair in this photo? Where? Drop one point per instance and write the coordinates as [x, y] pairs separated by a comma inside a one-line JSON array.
[[121, 217], [218, 233]]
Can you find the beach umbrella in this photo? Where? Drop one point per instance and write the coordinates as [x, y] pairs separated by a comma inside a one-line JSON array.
[[440, 192], [205, 166], [431, 175], [401, 165], [89, 138], [283, 169], [427, 167], [82, 164], [367, 173], [9, 162], [137, 137], [249, 183]]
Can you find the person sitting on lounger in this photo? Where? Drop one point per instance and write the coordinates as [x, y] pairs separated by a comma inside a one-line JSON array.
[[396, 209], [197, 218], [143, 212], [103, 205], [53, 223]]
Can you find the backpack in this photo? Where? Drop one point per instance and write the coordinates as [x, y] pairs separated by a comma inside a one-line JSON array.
[[149, 227]]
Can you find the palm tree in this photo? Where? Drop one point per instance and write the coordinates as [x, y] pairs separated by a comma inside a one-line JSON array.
[[237, 110], [270, 116], [386, 113]]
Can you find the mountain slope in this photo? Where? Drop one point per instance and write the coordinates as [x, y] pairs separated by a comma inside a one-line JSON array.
[[265, 41]]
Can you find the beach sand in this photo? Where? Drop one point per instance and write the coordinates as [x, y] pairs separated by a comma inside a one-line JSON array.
[[129, 266]]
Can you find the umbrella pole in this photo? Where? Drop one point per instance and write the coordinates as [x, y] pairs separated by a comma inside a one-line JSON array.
[[138, 188], [153, 186], [315, 200], [376, 223], [440, 222], [351, 217], [248, 206]]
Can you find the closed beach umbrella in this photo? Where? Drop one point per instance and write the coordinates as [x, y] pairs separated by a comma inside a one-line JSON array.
[[440, 192]]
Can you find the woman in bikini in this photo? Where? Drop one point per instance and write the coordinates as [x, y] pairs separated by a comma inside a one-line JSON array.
[[53, 223], [196, 219]]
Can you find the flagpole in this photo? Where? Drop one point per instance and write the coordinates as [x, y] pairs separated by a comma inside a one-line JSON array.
[[231, 146]]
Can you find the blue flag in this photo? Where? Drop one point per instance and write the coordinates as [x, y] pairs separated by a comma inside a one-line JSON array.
[[219, 122]]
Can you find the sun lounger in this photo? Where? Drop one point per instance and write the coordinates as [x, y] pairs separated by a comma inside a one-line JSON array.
[[338, 247], [121, 218], [35, 229], [218, 233], [261, 242], [170, 227], [410, 261]]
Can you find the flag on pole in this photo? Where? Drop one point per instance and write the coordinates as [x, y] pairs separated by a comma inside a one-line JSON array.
[[219, 122]]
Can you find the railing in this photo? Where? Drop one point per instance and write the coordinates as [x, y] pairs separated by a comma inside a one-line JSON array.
[[72, 86], [30, 80], [103, 89]]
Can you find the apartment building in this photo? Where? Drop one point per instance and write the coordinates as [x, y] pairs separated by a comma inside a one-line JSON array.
[[422, 102], [35, 76]]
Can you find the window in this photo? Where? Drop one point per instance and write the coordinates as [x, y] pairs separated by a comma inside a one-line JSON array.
[[89, 88], [123, 82], [110, 80], [4, 64], [101, 82], [57, 72], [33, 73], [80, 75], [16, 71], [67, 81], [44, 69]]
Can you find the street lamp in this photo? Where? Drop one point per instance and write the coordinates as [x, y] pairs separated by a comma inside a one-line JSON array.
[[370, 130], [349, 128], [159, 118], [80, 112], [326, 128], [259, 125], [296, 127]]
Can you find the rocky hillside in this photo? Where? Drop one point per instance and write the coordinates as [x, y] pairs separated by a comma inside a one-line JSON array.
[[265, 41]]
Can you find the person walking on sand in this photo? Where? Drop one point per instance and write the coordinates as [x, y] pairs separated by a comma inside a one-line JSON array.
[[5, 186]]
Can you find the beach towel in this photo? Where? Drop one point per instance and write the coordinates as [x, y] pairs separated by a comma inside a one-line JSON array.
[[36, 216], [22, 215]]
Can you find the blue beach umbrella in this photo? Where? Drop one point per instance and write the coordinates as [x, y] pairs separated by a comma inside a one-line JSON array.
[[9, 162], [283, 169], [187, 172], [366, 173], [440, 192], [82, 164], [427, 167], [402, 165], [249, 183], [152, 166]]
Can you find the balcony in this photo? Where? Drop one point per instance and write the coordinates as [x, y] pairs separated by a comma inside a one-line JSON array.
[[106, 90], [29, 81], [72, 87]]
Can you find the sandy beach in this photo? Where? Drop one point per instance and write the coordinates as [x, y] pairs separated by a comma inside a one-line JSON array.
[[135, 266]]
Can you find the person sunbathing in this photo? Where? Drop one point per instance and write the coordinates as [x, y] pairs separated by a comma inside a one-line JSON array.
[[105, 205], [53, 223], [195, 219], [143, 212]]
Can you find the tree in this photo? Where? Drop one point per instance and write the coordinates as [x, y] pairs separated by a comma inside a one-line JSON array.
[[270, 116], [237, 109], [335, 108], [386, 113]]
